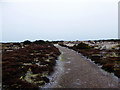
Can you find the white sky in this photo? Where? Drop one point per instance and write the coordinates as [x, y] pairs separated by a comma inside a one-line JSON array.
[[59, 19], [59, 0]]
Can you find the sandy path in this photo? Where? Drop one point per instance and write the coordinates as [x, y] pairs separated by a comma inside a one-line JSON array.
[[79, 72]]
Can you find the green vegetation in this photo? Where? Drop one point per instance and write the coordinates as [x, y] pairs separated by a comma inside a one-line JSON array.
[[62, 60]]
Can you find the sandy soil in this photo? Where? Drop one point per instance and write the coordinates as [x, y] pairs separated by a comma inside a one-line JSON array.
[[78, 72]]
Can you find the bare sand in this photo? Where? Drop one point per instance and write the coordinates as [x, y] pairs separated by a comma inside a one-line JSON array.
[[75, 71]]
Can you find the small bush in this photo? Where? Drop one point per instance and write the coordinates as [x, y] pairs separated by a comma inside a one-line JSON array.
[[82, 46], [39, 42], [27, 42]]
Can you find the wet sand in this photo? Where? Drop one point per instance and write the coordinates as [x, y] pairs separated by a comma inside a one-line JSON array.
[[75, 71]]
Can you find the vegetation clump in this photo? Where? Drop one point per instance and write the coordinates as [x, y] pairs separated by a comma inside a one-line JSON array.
[[28, 67], [82, 46], [39, 42], [27, 42]]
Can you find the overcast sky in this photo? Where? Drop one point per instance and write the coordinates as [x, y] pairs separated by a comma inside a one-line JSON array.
[[59, 19]]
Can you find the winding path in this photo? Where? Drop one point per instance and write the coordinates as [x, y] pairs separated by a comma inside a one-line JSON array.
[[79, 72]]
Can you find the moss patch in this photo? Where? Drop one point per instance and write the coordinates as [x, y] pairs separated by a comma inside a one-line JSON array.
[[62, 60]]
